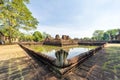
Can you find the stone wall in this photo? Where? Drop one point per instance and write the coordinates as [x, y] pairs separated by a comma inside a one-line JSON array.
[[53, 42], [91, 43], [39, 56], [51, 62], [57, 41], [114, 41], [31, 43], [86, 55]]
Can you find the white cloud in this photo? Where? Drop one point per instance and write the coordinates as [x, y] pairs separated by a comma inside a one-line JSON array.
[[77, 18], [107, 21], [63, 30]]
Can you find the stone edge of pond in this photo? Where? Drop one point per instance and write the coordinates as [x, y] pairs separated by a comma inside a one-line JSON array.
[[50, 61]]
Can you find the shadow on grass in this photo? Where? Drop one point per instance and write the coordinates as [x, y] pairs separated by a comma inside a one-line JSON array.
[[113, 60]]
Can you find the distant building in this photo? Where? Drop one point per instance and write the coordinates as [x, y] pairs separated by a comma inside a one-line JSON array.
[[60, 41], [5, 39]]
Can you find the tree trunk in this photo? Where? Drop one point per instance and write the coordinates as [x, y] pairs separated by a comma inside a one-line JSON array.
[[9, 35]]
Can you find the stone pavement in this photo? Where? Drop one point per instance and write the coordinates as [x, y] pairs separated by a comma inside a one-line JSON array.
[[16, 64], [104, 65]]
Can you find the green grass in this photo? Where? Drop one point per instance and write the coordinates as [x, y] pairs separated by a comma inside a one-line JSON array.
[[112, 60], [41, 48]]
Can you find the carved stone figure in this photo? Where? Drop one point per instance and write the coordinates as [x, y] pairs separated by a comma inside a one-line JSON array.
[[61, 58]]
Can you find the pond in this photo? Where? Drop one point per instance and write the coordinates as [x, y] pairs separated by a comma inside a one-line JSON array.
[[50, 50]]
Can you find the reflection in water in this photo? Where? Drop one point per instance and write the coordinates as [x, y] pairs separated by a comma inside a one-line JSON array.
[[75, 51], [72, 50]]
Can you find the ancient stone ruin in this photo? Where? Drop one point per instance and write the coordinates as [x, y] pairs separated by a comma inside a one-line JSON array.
[[57, 41], [57, 37], [61, 65]]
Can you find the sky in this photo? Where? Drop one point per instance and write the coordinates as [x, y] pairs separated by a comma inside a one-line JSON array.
[[76, 18]]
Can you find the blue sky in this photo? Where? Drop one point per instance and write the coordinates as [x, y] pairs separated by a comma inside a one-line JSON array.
[[77, 18]]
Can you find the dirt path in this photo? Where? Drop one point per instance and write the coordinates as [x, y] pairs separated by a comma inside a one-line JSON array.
[[16, 64], [112, 45]]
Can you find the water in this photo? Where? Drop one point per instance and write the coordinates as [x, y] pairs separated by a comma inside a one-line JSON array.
[[72, 50], [76, 51]]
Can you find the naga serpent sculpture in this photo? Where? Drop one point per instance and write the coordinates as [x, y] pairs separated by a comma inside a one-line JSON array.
[[61, 58]]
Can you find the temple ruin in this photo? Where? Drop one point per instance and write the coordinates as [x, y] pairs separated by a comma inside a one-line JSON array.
[[59, 41]]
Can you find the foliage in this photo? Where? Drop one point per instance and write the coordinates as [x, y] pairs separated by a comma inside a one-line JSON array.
[[37, 36], [112, 33], [25, 37], [86, 38], [98, 34], [108, 35], [14, 15], [44, 34]]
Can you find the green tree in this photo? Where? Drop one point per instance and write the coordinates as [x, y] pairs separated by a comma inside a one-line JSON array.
[[22, 37], [25, 37], [44, 34], [37, 36], [86, 38], [112, 33], [29, 37], [14, 15], [98, 34], [106, 36]]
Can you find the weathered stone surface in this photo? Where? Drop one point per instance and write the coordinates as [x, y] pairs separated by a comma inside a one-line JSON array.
[[16, 64], [57, 37], [73, 77], [67, 37], [57, 41], [21, 66], [64, 37]]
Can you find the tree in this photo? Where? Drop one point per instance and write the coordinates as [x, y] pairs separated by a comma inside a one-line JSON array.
[[25, 37], [106, 36], [14, 15], [112, 33], [22, 37], [44, 34], [98, 34], [86, 38], [37, 36], [29, 37]]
